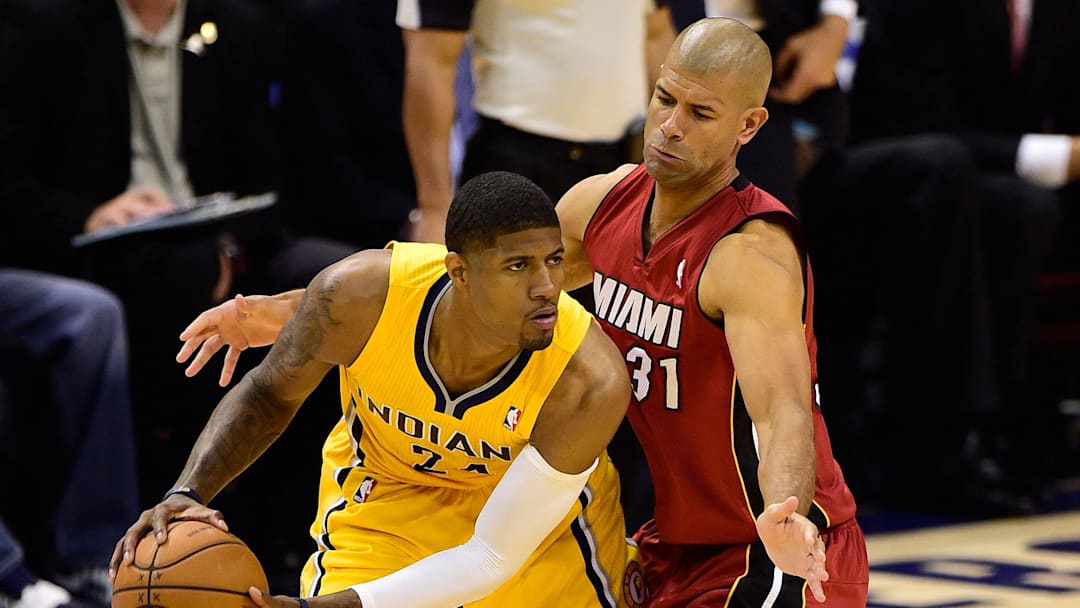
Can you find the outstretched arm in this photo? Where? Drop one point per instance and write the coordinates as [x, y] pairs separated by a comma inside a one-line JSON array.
[[753, 281], [252, 321]]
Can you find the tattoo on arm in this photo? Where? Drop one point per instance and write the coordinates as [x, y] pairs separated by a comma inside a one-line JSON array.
[[244, 424], [252, 415], [303, 339]]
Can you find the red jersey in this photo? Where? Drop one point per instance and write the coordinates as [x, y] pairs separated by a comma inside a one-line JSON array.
[[687, 408]]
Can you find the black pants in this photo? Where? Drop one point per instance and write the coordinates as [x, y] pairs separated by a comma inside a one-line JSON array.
[[925, 271], [555, 165]]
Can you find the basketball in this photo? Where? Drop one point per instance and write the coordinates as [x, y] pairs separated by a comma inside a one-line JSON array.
[[199, 566]]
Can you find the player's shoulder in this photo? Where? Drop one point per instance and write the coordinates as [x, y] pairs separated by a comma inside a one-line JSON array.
[[581, 201], [601, 183], [361, 277], [594, 386], [597, 363], [348, 297], [759, 239], [760, 255]]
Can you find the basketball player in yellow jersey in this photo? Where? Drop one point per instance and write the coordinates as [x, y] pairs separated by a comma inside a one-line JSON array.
[[468, 467]]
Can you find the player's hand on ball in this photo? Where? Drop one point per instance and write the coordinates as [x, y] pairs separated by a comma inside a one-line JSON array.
[[793, 543], [156, 519], [199, 566]]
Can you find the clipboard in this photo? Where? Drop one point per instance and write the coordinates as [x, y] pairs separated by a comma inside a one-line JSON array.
[[204, 210]]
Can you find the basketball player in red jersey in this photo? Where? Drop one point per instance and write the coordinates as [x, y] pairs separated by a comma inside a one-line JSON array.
[[702, 281]]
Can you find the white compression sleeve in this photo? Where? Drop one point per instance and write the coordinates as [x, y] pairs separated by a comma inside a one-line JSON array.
[[1044, 159], [848, 9], [529, 501]]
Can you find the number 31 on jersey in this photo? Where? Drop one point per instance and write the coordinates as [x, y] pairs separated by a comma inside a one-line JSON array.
[[642, 376]]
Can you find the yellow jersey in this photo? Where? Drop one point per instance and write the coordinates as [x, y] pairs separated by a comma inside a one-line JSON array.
[[408, 467]]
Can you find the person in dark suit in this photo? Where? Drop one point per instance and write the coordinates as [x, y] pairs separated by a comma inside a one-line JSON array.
[[118, 111], [938, 78], [997, 95], [67, 131]]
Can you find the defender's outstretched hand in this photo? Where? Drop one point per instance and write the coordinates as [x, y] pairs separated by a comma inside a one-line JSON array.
[[240, 323], [793, 543]]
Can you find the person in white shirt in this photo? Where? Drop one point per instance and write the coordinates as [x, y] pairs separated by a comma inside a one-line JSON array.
[[560, 89]]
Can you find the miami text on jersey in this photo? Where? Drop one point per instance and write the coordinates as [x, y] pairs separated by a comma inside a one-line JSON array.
[[633, 311]]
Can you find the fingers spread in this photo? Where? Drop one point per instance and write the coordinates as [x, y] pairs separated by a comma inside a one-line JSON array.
[[229, 366], [203, 325], [819, 593], [114, 561], [257, 597], [218, 519], [160, 523], [208, 349], [189, 346], [782, 510]]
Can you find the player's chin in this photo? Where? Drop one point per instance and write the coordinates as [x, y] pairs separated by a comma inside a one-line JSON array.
[[537, 340]]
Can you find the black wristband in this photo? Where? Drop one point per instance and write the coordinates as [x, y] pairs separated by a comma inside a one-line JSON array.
[[303, 602], [186, 491]]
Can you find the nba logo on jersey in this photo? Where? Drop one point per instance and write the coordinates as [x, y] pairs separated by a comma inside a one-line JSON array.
[[512, 418], [366, 488]]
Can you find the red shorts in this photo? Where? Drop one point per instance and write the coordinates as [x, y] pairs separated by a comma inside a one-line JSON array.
[[703, 576]]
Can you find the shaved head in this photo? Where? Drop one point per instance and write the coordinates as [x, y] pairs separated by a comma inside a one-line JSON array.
[[725, 46]]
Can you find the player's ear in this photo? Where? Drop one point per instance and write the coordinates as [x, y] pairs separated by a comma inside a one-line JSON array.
[[456, 266], [752, 121]]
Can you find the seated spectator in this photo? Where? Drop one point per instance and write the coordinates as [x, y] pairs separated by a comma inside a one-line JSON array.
[[118, 111], [63, 384]]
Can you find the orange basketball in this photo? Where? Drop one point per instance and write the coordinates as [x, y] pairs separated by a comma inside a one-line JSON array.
[[199, 566]]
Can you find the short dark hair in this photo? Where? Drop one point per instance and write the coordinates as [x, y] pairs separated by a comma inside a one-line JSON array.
[[493, 204]]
